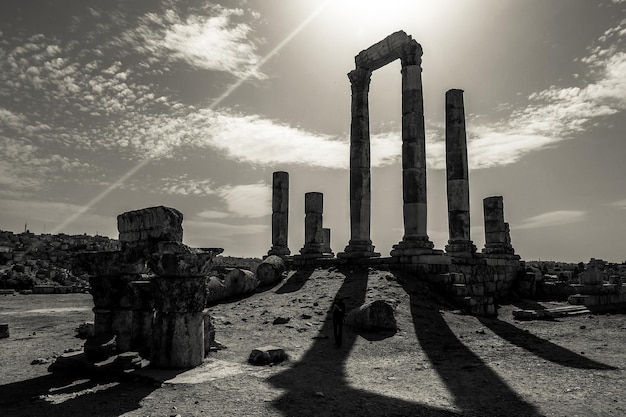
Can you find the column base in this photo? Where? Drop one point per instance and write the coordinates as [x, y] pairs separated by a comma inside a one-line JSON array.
[[412, 246], [358, 249], [461, 248], [498, 249], [279, 251]]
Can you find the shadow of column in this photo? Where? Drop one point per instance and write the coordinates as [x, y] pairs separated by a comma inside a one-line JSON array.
[[541, 347], [30, 397], [295, 282], [322, 370], [476, 388]]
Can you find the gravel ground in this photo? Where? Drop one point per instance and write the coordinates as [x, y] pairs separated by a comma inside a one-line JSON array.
[[438, 363]]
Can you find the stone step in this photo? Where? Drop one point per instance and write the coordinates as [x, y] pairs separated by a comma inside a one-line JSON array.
[[549, 313]]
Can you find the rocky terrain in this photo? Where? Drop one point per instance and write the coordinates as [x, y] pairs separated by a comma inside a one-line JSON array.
[[438, 363]]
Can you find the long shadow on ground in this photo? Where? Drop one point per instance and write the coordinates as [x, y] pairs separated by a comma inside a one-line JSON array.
[[295, 281], [541, 347], [322, 369], [62, 395], [477, 390]]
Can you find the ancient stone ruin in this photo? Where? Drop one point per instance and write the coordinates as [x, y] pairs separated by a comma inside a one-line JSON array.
[[149, 297], [473, 279]]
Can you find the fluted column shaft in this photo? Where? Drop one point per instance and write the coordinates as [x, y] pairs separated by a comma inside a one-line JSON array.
[[280, 214]]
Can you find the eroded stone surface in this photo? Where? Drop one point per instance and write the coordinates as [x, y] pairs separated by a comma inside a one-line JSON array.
[[376, 315], [173, 259], [153, 224]]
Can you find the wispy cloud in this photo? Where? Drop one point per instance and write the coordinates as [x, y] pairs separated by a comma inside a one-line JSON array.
[[213, 41], [553, 218], [251, 200], [621, 204], [558, 113]]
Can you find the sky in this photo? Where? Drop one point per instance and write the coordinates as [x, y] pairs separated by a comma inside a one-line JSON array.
[[107, 107]]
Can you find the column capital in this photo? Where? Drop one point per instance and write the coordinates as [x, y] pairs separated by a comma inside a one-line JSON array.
[[411, 54], [360, 79]]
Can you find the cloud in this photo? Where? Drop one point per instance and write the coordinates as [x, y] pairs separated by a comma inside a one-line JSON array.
[[553, 218], [213, 214], [557, 113], [252, 200], [621, 204], [212, 42]]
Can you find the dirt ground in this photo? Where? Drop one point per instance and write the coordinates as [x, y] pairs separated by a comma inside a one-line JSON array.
[[438, 363]]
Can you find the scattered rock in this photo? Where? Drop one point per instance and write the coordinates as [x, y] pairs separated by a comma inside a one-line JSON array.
[[319, 394], [128, 360], [99, 348], [583, 327], [375, 315], [4, 331], [85, 330], [266, 355], [40, 361], [305, 316], [281, 320]]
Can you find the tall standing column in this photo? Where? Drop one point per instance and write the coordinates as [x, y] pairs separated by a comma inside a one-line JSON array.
[[313, 208], [459, 243], [415, 240], [360, 245], [280, 214], [497, 238]]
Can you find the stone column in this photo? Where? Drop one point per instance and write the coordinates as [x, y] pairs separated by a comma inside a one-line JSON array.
[[179, 297], [415, 240], [459, 243], [326, 249], [280, 214], [142, 317], [360, 245], [313, 208], [112, 294], [497, 238]]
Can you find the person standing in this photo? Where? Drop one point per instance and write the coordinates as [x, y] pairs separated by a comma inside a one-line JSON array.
[[339, 312]]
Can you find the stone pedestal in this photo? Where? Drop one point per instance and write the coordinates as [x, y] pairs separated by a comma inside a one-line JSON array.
[[280, 214], [457, 173], [314, 208], [178, 329], [179, 291], [326, 249], [497, 236]]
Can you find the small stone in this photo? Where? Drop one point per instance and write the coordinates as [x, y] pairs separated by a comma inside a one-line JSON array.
[[319, 394], [281, 320], [583, 327], [40, 361], [306, 316], [266, 355]]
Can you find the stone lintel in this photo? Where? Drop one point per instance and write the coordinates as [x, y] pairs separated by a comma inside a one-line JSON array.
[[397, 45]]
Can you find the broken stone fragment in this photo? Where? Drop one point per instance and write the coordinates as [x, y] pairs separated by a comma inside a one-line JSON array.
[[229, 282], [4, 330], [101, 347], [173, 259], [266, 355], [112, 263], [281, 320], [270, 271], [376, 315], [150, 225], [85, 330]]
